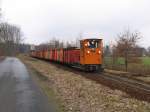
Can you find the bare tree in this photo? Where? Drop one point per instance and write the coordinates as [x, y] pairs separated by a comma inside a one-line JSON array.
[[126, 44], [53, 43], [0, 15], [78, 40], [10, 37], [68, 44]]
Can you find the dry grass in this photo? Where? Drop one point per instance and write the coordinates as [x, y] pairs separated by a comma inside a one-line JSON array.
[[115, 72], [79, 94], [145, 79]]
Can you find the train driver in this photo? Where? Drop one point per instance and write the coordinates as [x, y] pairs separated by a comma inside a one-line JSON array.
[[91, 44]]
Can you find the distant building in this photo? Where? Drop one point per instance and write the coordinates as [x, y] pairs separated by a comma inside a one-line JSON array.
[[140, 51]]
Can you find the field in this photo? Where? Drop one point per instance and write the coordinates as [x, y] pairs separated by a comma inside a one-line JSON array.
[[146, 61], [121, 61], [141, 67]]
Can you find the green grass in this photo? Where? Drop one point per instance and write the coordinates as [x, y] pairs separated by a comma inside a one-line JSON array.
[[146, 61], [121, 61]]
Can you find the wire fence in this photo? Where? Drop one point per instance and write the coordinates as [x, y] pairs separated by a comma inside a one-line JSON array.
[[142, 66]]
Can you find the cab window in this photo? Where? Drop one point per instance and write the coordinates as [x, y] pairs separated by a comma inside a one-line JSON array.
[[93, 44]]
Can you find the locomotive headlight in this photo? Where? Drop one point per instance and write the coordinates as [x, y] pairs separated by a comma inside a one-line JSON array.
[[86, 45], [88, 52], [99, 52]]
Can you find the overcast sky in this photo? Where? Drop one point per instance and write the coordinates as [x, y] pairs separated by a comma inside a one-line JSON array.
[[41, 20]]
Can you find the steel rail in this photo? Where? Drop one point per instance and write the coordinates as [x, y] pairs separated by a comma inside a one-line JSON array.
[[126, 81]]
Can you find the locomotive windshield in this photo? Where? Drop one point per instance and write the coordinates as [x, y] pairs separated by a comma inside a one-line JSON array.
[[93, 44]]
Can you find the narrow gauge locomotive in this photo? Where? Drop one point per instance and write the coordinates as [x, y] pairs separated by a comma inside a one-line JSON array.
[[88, 57]]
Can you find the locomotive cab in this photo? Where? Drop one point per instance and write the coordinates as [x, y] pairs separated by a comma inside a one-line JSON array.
[[91, 54]]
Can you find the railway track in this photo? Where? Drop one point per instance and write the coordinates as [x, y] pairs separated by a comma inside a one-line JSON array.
[[133, 88], [129, 82]]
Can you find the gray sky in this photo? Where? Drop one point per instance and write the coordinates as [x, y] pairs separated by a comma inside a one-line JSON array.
[[41, 20]]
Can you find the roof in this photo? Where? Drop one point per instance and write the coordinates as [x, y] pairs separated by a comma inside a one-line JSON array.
[[92, 39]]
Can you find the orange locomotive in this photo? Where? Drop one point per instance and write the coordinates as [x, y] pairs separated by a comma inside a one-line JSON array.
[[91, 54], [87, 57]]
